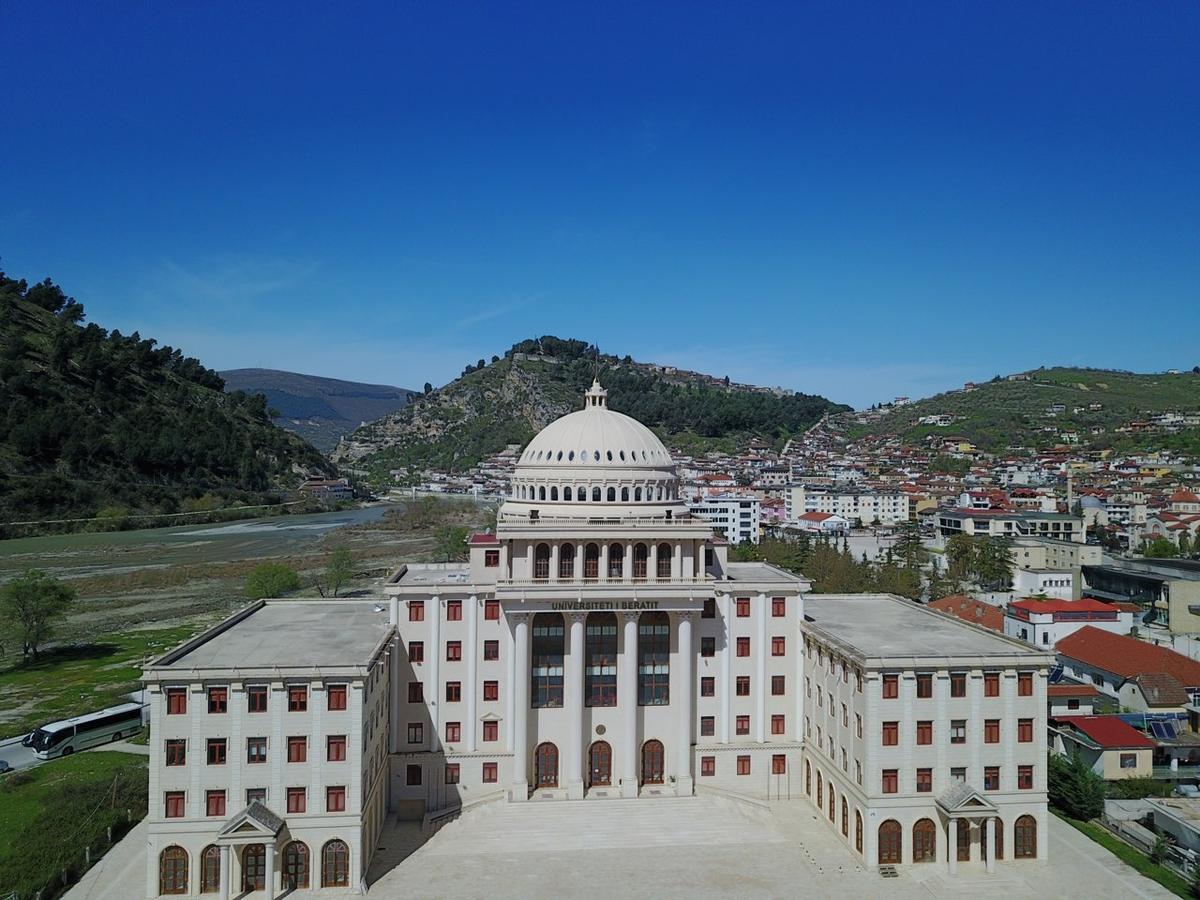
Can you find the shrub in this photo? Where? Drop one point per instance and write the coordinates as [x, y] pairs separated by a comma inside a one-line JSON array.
[[271, 580]]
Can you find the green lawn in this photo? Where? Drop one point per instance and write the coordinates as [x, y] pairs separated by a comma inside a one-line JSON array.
[[48, 814], [79, 678], [1131, 856]]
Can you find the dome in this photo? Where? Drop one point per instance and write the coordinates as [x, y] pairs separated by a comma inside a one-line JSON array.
[[596, 437]]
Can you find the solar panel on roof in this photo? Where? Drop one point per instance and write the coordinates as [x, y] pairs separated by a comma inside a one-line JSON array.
[[1169, 730], [1056, 673], [1160, 731]]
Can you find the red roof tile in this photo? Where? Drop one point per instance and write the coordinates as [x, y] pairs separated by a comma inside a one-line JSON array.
[[969, 610], [1051, 605], [484, 539], [1110, 732], [1126, 656], [1071, 690]]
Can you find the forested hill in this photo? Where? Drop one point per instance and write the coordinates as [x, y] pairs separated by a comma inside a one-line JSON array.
[[511, 398], [96, 422]]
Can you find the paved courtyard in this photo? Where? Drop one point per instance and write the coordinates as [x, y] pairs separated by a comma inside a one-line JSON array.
[[670, 848]]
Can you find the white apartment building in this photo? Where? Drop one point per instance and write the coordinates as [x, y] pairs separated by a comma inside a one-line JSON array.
[[269, 752], [856, 506], [1044, 623], [736, 517], [925, 736]]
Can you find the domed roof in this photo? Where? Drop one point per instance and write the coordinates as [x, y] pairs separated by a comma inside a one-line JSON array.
[[595, 436]]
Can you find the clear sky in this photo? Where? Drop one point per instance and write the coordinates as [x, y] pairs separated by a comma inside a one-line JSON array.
[[859, 200]]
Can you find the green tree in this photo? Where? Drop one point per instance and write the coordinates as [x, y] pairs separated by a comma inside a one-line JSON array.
[[1074, 788], [271, 580], [450, 543], [908, 549], [994, 563], [960, 556], [30, 606], [1159, 548], [428, 388], [339, 569]]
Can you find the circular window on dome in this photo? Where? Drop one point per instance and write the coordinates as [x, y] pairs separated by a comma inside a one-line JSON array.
[[622, 456], [610, 456], [596, 455], [559, 454], [583, 456], [571, 455]]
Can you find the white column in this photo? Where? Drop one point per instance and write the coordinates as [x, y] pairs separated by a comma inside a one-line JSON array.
[[603, 573], [627, 563], [952, 845], [760, 668], [554, 561], [652, 562], [573, 697], [677, 561], [579, 561], [520, 723], [725, 606], [627, 698], [433, 657], [270, 879], [989, 837], [510, 689], [394, 671], [472, 651], [683, 700], [224, 876]]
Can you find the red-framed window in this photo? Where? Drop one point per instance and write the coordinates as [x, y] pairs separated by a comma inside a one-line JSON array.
[[708, 765], [490, 772], [778, 724], [743, 724], [891, 687], [707, 726], [991, 778], [215, 750], [416, 610], [924, 781], [453, 610], [991, 684], [176, 751], [491, 560], [743, 685], [214, 803], [708, 686], [453, 691], [778, 606], [778, 685], [778, 646], [416, 732], [412, 775], [491, 690], [453, 651], [958, 684], [297, 800], [1025, 684], [891, 781], [173, 803], [335, 799], [1024, 730], [416, 692], [743, 646], [176, 701], [335, 748], [1025, 778], [218, 700], [743, 607], [297, 698], [453, 732], [743, 765], [925, 732], [924, 685], [297, 749], [891, 734], [256, 698], [491, 651], [416, 651], [779, 764], [335, 695], [491, 610], [991, 731], [451, 773], [491, 731]]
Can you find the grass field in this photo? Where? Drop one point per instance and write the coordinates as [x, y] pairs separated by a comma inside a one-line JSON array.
[[1132, 856], [51, 812], [79, 678]]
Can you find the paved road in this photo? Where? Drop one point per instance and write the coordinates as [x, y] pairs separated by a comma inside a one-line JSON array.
[[17, 756]]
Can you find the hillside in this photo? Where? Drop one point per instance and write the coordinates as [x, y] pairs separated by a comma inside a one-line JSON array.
[[320, 410], [1098, 410], [536, 381], [96, 422]]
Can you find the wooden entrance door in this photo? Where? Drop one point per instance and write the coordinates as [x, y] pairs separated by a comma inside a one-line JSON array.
[[652, 762], [545, 764], [600, 765], [890, 838], [254, 867]]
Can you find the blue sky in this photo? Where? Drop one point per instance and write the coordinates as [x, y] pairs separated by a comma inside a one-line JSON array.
[[859, 200]]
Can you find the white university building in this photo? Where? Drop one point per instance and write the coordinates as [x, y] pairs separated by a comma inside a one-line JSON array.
[[600, 646]]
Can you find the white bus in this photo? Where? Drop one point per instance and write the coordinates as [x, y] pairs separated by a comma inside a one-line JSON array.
[[65, 737]]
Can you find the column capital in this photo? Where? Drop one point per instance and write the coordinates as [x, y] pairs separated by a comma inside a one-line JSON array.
[[576, 616], [685, 615], [630, 615]]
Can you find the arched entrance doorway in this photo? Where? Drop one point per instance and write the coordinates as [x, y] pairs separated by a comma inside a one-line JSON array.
[[254, 867], [600, 765], [924, 841], [1025, 838], [652, 762], [173, 871], [295, 865], [545, 765], [890, 838]]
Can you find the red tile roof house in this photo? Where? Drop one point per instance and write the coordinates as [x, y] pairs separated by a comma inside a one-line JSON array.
[[1113, 748], [1044, 622], [1140, 676], [969, 610], [1072, 699]]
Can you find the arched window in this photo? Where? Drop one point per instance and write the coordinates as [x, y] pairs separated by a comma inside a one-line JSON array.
[[820, 790], [641, 554], [254, 867], [553, 493], [924, 841], [807, 778], [600, 659], [652, 762], [891, 837], [596, 494], [858, 831], [624, 495], [659, 492], [1025, 838], [998, 830], [612, 495], [845, 818], [637, 494], [210, 869], [295, 865], [591, 561], [616, 560], [654, 655], [567, 494], [545, 765], [546, 672], [173, 871], [541, 562], [664, 562], [335, 864], [832, 816], [566, 562], [581, 495], [600, 764]]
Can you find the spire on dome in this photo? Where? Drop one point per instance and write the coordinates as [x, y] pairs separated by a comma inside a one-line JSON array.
[[596, 397]]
